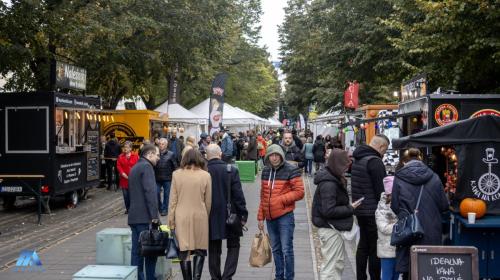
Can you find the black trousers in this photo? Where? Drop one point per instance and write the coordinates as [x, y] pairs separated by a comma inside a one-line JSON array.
[[214, 256], [110, 167], [367, 249]]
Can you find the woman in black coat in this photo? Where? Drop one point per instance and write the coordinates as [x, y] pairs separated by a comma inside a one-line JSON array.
[[319, 152], [407, 183], [332, 213]]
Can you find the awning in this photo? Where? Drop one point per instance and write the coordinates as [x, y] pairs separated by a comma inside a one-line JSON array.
[[475, 130]]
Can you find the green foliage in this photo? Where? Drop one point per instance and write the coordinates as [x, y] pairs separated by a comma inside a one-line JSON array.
[[131, 47], [381, 43]]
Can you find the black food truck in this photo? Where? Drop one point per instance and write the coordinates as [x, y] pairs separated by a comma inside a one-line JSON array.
[[49, 146], [471, 147]]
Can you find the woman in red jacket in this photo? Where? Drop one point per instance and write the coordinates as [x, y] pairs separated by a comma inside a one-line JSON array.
[[126, 160]]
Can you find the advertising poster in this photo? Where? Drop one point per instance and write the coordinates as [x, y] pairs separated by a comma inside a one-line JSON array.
[[215, 110]]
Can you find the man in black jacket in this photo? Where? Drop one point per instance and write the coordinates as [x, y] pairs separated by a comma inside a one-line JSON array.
[[224, 180], [111, 152], [163, 172], [292, 152], [143, 206], [176, 146], [367, 176]]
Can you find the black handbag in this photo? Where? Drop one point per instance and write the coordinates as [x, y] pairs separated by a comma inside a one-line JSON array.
[[172, 251], [232, 220], [408, 229], [153, 242]]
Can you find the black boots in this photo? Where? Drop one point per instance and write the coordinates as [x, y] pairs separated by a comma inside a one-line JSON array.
[[198, 266], [186, 269]]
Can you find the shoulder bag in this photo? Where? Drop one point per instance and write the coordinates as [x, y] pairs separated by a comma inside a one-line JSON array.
[[408, 229], [153, 242]]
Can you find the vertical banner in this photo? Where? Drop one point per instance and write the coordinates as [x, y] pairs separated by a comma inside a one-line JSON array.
[[174, 90], [216, 103], [351, 96]]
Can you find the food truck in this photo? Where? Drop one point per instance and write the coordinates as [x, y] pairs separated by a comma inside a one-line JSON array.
[[135, 125], [470, 148], [49, 145]]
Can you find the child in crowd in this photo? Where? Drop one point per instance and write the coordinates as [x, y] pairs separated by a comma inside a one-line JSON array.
[[386, 219]]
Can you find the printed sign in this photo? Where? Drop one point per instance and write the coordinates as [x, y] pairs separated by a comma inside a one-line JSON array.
[[351, 97], [485, 112], [445, 114], [479, 171], [216, 103], [444, 262], [414, 88], [69, 172], [70, 77]]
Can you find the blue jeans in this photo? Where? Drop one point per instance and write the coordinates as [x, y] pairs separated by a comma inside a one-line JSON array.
[[137, 259], [389, 269], [126, 198], [309, 166], [281, 234], [163, 207]]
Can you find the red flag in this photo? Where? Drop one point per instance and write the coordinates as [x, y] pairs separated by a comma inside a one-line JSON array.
[[351, 95]]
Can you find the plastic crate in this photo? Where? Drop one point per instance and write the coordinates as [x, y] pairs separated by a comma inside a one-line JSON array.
[[246, 170], [106, 272]]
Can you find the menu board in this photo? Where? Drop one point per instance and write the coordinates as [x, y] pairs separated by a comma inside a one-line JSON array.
[[93, 155], [444, 262]]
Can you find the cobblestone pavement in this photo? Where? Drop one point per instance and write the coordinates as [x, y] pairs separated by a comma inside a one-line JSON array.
[[65, 242]]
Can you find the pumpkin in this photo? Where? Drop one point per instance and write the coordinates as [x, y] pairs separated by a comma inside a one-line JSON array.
[[472, 205]]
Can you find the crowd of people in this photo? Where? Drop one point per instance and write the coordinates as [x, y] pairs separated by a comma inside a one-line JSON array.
[[193, 183]]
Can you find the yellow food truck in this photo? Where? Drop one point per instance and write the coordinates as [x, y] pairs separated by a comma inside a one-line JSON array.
[[135, 125]]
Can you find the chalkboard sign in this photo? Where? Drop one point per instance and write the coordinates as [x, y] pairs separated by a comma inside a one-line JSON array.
[[93, 141], [92, 168], [444, 263]]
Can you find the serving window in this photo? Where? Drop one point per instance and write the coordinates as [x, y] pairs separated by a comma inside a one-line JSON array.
[[70, 129], [27, 130]]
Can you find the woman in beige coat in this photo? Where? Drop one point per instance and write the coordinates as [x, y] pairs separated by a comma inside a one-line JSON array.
[[189, 210]]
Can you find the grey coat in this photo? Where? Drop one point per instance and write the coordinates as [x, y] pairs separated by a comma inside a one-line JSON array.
[[142, 191]]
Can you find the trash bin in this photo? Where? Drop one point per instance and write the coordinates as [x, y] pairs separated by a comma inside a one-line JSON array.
[[246, 169]]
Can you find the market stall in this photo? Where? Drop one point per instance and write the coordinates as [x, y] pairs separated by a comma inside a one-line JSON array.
[[184, 121], [472, 171], [52, 135], [135, 125]]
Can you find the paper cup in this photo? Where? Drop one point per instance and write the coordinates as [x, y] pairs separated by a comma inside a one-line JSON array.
[[472, 217]]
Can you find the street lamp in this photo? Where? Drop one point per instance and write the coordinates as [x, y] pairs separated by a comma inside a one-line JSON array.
[[395, 94]]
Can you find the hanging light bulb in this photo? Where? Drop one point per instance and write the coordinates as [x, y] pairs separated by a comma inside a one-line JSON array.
[[112, 118], [95, 117], [99, 117], [65, 114], [78, 115]]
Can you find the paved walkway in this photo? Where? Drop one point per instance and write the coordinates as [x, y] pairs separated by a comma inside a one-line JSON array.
[[62, 260]]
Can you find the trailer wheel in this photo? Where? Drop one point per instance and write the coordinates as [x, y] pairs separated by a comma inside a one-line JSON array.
[[82, 193], [9, 202], [72, 199]]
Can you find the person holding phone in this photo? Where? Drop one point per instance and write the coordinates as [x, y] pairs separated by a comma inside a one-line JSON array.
[[332, 213]]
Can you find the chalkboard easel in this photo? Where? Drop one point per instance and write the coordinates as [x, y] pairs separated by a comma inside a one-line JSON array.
[[444, 262]]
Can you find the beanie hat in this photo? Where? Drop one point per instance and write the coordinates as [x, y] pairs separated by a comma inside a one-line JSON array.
[[388, 182]]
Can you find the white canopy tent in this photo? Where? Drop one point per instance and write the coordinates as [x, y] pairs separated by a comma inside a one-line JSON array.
[[234, 118], [274, 122], [137, 100], [179, 116]]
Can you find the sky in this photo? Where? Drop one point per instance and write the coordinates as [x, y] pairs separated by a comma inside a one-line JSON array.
[[273, 15]]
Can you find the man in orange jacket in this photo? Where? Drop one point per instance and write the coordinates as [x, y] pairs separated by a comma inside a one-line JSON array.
[[281, 187]]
